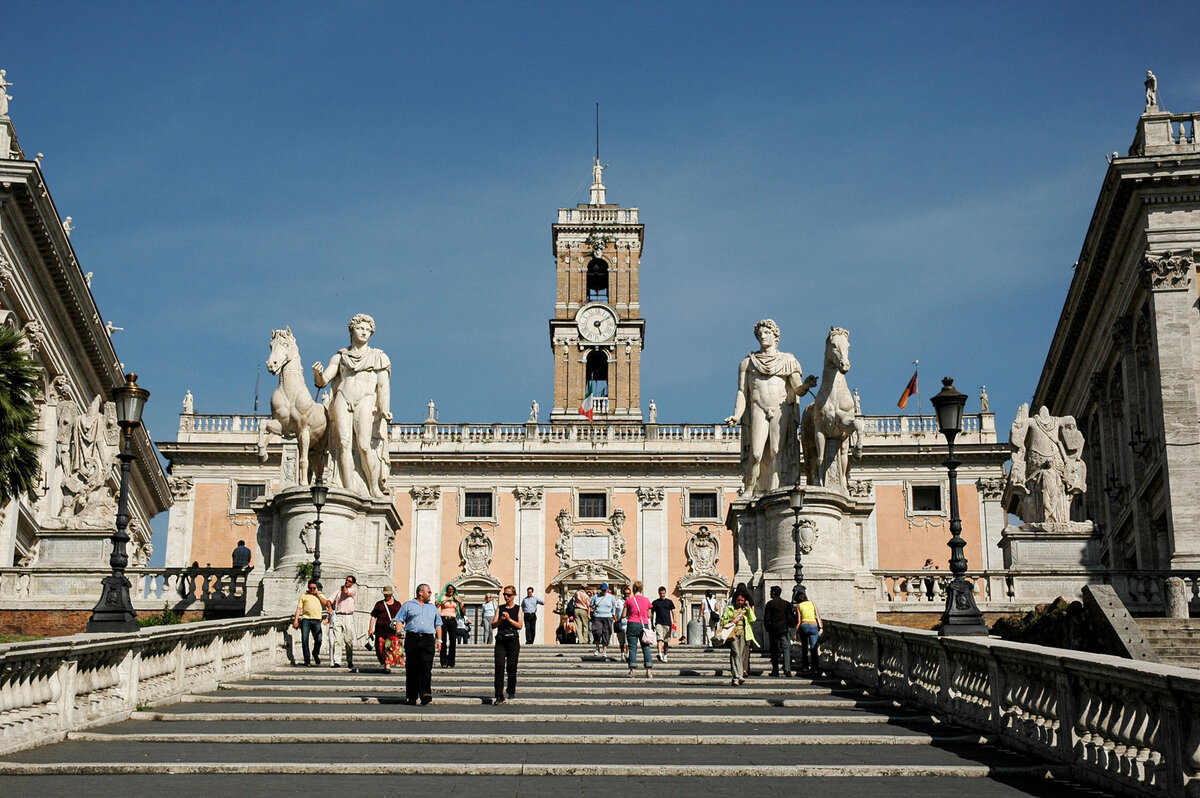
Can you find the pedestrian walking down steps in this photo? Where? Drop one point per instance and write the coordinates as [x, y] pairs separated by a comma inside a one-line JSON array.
[[507, 625]]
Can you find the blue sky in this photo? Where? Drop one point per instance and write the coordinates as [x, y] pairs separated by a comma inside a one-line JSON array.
[[921, 174]]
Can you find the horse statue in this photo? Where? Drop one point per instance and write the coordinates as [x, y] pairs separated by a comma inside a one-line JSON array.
[[829, 422], [294, 413]]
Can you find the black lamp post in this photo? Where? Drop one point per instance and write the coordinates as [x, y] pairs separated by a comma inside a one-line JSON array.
[[796, 501], [114, 612], [962, 615], [319, 493]]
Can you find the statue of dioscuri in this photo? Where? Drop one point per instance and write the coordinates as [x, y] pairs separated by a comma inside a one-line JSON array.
[[1047, 466], [294, 413], [360, 380], [830, 421], [770, 384]]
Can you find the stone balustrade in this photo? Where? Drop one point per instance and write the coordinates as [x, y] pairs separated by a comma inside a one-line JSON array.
[[51, 687], [928, 587], [1163, 133], [216, 590], [1144, 592], [900, 430], [598, 215], [1127, 726]]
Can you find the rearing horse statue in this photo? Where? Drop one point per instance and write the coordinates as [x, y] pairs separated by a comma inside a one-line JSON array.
[[829, 422], [294, 413]]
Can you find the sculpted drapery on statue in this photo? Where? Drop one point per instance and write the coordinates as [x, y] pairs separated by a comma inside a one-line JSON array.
[[770, 384], [87, 444], [359, 377], [1047, 466]]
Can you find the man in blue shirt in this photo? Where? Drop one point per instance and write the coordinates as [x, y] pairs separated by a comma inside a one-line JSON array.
[[604, 607], [422, 637], [529, 606]]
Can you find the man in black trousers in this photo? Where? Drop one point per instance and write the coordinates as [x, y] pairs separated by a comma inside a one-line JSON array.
[[776, 615], [422, 637]]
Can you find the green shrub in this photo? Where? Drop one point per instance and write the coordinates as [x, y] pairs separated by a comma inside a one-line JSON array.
[[304, 572], [167, 617]]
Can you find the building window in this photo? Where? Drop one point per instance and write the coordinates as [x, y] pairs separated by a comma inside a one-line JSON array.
[[247, 493], [593, 505], [597, 281], [477, 505], [702, 505], [926, 498], [596, 371]]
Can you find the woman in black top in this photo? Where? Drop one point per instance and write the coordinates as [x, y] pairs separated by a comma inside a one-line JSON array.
[[507, 624]]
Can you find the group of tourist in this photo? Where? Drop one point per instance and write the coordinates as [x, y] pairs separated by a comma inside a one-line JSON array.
[[409, 634]]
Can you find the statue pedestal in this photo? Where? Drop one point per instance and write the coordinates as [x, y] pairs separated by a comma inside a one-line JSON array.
[[836, 570], [358, 535], [1048, 560]]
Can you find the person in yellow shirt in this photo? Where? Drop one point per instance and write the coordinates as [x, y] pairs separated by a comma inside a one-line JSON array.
[[809, 631], [740, 613], [310, 614]]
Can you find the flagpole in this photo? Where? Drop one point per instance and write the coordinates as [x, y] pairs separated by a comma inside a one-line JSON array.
[[917, 373]]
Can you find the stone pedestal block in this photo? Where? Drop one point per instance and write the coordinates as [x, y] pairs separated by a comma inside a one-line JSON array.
[[358, 536], [836, 573], [1048, 560]]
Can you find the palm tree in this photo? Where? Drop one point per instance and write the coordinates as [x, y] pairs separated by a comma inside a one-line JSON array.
[[20, 384]]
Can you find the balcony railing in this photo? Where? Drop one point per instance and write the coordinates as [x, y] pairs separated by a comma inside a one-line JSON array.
[[218, 591]]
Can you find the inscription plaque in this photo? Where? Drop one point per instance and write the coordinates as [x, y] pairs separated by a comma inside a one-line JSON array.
[[590, 548]]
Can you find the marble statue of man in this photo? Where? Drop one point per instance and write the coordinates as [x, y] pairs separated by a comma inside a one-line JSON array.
[[770, 384], [1048, 467], [4, 95], [360, 380], [189, 404], [533, 411], [1151, 91]]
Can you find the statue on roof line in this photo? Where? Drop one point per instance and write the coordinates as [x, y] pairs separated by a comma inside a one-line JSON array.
[[1151, 91], [4, 95]]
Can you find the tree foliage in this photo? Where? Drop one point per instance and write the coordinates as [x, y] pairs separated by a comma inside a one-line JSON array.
[[20, 385]]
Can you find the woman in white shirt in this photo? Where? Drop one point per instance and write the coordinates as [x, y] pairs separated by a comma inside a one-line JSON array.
[[489, 613]]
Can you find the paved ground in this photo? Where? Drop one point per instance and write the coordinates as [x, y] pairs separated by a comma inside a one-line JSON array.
[[578, 726]]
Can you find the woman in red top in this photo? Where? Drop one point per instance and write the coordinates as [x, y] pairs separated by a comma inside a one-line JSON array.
[[637, 614]]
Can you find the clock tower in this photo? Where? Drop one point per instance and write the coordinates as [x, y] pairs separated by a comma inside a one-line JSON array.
[[597, 332]]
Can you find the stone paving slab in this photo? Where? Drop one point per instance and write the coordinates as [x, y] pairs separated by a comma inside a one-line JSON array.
[[655, 700], [278, 786], [517, 708]]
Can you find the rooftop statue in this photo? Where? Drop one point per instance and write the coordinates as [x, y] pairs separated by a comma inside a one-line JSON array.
[[360, 380], [1151, 91], [4, 95], [770, 384]]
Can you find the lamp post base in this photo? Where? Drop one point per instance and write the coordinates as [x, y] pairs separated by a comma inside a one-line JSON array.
[[962, 615], [114, 612]]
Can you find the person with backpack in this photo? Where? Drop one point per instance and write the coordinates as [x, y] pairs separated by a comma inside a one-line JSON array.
[[778, 620]]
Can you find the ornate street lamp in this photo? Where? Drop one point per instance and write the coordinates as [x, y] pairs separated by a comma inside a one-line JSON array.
[[796, 501], [114, 612], [319, 493], [962, 615]]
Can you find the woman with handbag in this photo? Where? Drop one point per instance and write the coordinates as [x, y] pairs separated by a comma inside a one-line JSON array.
[[735, 625], [638, 631], [507, 623], [450, 607]]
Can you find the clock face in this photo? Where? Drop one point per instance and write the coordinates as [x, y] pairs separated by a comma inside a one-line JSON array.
[[596, 323]]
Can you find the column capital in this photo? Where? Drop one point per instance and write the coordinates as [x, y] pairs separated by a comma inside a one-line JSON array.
[[1168, 271]]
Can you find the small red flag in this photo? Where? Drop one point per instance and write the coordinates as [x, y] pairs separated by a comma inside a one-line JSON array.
[[908, 391]]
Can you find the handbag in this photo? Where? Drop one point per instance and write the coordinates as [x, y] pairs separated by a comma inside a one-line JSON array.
[[722, 635], [648, 636]]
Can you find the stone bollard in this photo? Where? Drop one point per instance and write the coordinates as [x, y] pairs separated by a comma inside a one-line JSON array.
[[1176, 591], [695, 633]]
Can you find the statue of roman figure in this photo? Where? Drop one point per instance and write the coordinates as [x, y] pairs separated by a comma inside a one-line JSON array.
[[359, 377], [770, 384]]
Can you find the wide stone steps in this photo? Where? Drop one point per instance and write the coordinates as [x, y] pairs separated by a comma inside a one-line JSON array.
[[578, 725], [1176, 641]]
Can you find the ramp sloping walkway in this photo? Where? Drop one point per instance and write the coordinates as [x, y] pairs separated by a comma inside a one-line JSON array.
[[578, 726]]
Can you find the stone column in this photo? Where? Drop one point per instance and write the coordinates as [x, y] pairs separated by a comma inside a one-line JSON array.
[[991, 521], [1176, 335], [179, 525], [426, 556], [652, 553], [530, 565]]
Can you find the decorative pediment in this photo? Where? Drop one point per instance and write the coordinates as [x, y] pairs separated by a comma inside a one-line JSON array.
[[589, 574], [476, 553]]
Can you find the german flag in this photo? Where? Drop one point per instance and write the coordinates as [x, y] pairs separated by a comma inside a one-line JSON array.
[[908, 391]]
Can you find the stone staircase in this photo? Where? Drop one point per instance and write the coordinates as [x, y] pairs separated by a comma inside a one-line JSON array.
[[578, 726], [1176, 641]]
